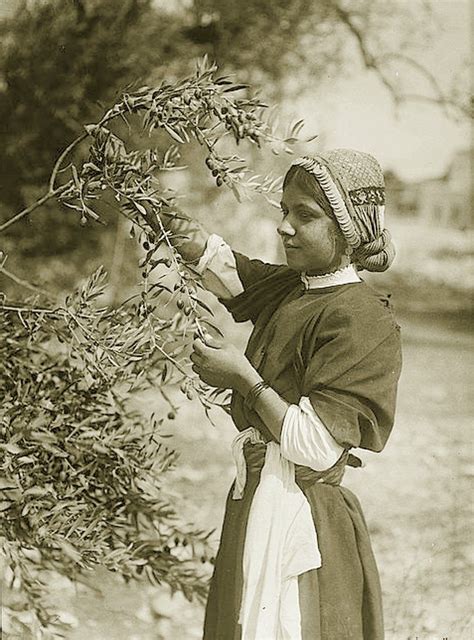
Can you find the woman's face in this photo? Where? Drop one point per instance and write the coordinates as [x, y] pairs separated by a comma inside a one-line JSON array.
[[311, 239]]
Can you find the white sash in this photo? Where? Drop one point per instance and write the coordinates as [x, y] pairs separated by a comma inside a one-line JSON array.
[[280, 544]]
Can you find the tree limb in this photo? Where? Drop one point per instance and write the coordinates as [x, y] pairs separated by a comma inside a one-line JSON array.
[[25, 283], [439, 98], [376, 64], [47, 196], [369, 60], [58, 162]]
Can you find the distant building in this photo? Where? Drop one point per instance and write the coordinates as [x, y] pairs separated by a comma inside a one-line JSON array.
[[445, 201], [401, 196]]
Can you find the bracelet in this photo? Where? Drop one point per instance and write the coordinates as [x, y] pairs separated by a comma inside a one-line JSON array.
[[254, 393]]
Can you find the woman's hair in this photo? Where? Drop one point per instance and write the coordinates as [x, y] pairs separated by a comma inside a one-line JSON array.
[[306, 181]]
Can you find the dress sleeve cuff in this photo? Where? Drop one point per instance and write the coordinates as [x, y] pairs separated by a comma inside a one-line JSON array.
[[218, 269], [305, 440]]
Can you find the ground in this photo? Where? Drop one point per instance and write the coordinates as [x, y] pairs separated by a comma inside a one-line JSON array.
[[415, 495]]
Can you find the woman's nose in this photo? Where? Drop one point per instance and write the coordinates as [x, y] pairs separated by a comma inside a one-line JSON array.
[[285, 228]]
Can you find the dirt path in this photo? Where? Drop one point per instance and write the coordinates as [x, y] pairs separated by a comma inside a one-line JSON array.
[[416, 496]]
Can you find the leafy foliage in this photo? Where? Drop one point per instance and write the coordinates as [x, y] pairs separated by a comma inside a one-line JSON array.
[[81, 472]]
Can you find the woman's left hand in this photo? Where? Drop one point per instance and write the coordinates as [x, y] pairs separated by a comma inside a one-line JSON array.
[[220, 364]]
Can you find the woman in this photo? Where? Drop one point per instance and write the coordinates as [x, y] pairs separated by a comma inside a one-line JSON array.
[[318, 378]]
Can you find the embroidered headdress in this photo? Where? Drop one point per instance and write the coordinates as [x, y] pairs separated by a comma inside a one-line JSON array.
[[354, 186]]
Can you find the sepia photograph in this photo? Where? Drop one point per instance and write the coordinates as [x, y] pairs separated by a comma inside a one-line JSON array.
[[236, 311]]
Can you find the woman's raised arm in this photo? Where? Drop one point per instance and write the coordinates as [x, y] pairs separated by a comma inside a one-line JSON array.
[[188, 235]]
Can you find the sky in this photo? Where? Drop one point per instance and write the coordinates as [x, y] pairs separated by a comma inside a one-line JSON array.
[[419, 141]]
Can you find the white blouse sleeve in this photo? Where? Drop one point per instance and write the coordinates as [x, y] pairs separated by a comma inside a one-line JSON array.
[[218, 269], [305, 440]]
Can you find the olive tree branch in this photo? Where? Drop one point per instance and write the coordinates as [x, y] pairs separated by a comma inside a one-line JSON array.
[[71, 147], [154, 220], [52, 191], [59, 161], [47, 196], [56, 314], [25, 283]]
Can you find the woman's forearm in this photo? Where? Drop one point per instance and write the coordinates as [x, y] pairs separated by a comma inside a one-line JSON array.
[[306, 440], [272, 409], [269, 405], [188, 236]]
